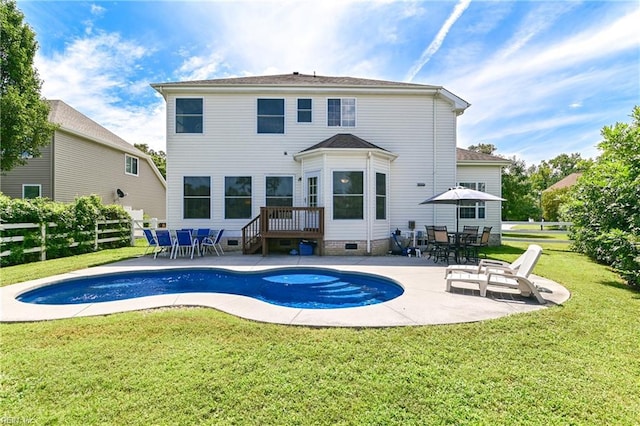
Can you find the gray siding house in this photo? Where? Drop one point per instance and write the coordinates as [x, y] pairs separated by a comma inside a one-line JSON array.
[[358, 154], [84, 158]]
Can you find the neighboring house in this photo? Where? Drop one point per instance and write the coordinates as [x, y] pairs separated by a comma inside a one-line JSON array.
[[363, 153], [84, 158], [566, 182]]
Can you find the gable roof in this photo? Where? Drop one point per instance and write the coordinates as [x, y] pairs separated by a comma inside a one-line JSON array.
[[74, 121], [299, 81], [566, 182], [465, 156], [295, 79], [78, 124]]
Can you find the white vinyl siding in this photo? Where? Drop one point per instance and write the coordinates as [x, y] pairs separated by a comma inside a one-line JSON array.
[[402, 124]]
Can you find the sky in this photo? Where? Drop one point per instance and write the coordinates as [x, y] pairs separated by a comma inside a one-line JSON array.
[[542, 78]]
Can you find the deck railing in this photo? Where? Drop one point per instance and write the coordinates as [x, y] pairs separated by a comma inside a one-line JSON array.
[[283, 222]]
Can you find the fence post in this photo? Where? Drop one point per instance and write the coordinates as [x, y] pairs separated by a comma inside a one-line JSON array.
[[43, 238], [133, 233], [95, 241]]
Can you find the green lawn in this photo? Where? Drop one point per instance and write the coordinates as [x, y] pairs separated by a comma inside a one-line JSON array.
[[574, 364]]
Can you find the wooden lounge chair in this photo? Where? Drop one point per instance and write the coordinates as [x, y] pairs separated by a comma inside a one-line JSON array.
[[519, 280]]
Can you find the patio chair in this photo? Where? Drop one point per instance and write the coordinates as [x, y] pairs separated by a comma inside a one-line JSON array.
[[185, 243], [442, 244], [487, 265], [431, 238], [472, 247], [208, 243], [200, 235], [519, 280], [151, 241], [165, 242]]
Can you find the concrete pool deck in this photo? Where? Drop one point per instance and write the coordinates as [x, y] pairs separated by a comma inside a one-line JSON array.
[[424, 301]]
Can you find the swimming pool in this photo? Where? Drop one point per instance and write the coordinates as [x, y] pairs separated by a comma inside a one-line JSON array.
[[308, 288]]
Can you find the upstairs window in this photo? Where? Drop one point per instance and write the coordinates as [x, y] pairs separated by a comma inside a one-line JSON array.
[[304, 110], [197, 197], [130, 165], [270, 115], [341, 112], [189, 115], [472, 209]]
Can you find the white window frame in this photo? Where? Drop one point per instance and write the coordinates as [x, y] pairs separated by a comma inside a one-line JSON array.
[[293, 188], [478, 206], [175, 116], [26, 185], [284, 115], [336, 195], [127, 158], [298, 110], [342, 107]]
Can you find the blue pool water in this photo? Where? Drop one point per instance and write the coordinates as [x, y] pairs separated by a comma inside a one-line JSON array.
[[311, 288]]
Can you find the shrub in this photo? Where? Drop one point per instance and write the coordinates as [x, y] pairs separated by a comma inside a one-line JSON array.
[[604, 209], [74, 229]]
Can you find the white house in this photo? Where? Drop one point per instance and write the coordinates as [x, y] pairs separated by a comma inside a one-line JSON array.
[[360, 154]]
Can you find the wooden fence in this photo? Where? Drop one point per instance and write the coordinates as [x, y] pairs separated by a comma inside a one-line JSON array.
[[101, 234]]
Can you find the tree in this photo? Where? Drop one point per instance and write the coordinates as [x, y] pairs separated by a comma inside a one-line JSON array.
[[483, 148], [605, 210], [522, 203], [159, 158], [24, 124]]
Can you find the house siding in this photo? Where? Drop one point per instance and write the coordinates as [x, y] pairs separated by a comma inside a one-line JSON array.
[[84, 167], [492, 177], [36, 171], [414, 125]]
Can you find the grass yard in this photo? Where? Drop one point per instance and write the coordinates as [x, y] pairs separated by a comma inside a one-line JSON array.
[[574, 364]]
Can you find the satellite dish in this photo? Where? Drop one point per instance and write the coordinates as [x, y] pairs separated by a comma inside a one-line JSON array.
[[120, 193]]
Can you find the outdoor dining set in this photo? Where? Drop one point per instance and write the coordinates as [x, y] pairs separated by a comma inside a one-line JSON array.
[[183, 242]]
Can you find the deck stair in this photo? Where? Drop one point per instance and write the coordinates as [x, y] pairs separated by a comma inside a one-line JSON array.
[[304, 223]]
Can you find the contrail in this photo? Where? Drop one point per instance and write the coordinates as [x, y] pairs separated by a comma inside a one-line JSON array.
[[437, 42]]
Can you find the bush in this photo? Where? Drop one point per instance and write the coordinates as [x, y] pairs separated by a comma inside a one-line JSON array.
[[604, 209], [74, 231]]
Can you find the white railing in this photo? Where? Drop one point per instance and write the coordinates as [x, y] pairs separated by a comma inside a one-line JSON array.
[[99, 235], [540, 231]]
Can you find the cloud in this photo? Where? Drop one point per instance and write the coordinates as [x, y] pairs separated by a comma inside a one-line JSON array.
[[97, 76], [437, 41]]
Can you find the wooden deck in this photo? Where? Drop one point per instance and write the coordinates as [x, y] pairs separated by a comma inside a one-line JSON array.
[[304, 223]]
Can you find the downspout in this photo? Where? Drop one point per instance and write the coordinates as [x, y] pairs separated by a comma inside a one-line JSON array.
[[369, 206], [435, 151]]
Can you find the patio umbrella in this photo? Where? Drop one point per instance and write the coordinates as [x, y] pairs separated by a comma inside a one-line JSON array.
[[457, 195]]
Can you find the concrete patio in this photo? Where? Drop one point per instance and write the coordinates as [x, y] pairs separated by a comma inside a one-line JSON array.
[[423, 302]]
